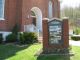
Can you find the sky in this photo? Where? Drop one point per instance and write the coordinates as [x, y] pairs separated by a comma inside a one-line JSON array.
[[71, 3]]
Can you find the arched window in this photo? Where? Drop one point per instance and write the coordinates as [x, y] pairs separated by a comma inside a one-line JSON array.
[[50, 9], [2, 3], [33, 18], [32, 13]]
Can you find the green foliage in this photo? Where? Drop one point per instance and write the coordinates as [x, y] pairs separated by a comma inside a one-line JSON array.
[[21, 38], [76, 38], [1, 38], [76, 31], [28, 38], [11, 38], [15, 29], [72, 13], [70, 47]]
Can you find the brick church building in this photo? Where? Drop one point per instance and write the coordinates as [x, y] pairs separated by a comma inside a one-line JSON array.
[[28, 14]]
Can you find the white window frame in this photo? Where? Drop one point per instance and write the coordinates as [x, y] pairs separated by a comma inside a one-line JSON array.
[[50, 9], [2, 18]]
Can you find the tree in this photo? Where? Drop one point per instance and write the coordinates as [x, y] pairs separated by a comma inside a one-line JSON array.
[[73, 14]]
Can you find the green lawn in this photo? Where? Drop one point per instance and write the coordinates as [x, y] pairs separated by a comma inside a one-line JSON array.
[[14, 52]]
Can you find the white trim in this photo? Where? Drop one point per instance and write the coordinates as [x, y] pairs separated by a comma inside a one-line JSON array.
[[50, 9], [4, 34], [38, 14], [3, 6], [2, 19], [29, 28]]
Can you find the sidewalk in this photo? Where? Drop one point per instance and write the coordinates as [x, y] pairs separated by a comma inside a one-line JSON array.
[[74, 43]]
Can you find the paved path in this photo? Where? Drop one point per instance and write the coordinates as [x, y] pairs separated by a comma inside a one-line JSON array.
[[74, 43]]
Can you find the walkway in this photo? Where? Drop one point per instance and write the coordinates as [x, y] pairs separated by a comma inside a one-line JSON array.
[[74, 43]]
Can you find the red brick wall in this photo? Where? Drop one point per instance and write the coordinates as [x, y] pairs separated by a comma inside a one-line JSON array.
[[42, 5], [13, 14], [18, 11], [56, 8], [2, 26], [66, 32], [10, 13], [45, 34]]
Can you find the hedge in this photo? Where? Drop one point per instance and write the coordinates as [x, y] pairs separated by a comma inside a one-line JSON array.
[[76, 38], [11, 38], [1, 37], [28, 38]]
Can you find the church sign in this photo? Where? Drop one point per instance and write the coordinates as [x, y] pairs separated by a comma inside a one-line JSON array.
[[55, 32], [55, 35]]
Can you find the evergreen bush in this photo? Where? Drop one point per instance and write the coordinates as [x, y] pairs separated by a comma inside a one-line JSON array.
[[28, 38], [75, 38], [11, 38], [1, 37]]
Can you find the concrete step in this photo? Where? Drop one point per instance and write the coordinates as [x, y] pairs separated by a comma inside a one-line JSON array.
[[40, 39]]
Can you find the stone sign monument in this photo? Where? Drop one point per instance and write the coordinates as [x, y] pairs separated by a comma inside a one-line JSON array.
[[55, 35]]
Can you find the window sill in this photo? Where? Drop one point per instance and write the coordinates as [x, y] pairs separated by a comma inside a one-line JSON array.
[[2, 19]]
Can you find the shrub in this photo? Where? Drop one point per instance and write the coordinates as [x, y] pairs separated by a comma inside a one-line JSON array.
[[30, 37], [15, 29], [76, 31], [27, 38], [1, 37], [11, 38], [76, 38], [21, 39]]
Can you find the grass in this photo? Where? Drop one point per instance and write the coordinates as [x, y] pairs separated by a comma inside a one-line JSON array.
[[75, 49], [14, 52]]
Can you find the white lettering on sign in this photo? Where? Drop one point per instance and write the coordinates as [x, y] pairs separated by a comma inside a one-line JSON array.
[[55, 32]]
